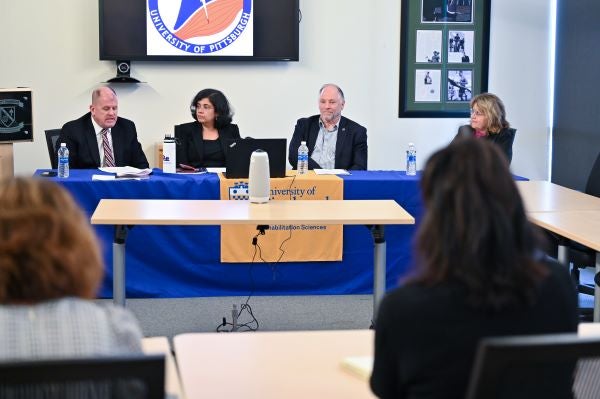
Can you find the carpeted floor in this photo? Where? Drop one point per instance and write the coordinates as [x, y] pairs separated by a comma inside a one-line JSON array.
[[169, 317]]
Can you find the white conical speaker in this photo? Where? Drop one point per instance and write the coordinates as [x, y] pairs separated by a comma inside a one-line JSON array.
[[259, 178]]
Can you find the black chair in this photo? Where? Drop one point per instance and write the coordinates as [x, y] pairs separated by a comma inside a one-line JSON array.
[[51, 138], [536, 366], [579, 255], [134, 376]]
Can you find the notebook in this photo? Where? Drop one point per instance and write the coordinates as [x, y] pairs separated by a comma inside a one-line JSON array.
[[360, 366], [237, 162]]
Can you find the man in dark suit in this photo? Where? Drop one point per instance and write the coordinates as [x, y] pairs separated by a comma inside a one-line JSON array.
[[100, 137], [334, 141]]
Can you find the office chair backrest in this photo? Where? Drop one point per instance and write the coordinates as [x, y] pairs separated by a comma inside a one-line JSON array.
[[51, 138], [536, 366], [133, 376], [593, 184]]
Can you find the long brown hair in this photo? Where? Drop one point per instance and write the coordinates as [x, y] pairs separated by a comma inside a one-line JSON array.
[[474, 230]]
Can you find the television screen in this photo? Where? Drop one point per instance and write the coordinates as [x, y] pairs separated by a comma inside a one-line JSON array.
[[15, 115], [262, 30]]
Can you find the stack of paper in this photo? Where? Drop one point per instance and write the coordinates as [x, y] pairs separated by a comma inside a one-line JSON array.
[[127, 171], [360, 366], [123, 172], [331, 172]]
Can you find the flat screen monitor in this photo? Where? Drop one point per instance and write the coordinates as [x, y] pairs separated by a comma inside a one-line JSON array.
[[239, 152], [199, 30], [15, 115]]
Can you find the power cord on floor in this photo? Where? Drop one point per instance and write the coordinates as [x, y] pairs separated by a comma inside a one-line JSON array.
[[253, 324]]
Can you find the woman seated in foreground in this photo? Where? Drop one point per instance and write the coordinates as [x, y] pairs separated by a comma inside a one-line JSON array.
[[478, 274], [50, 269], [488, 121]]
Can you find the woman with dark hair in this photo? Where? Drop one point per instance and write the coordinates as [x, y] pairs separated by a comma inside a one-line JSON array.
[[479, 274], [50, 270], [488, 121], [204, 142]]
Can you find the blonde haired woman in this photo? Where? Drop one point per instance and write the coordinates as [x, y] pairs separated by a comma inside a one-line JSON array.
[[488, 121]]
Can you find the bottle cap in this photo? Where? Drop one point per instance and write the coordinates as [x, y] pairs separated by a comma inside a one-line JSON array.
[[63, 144], [303, 142]]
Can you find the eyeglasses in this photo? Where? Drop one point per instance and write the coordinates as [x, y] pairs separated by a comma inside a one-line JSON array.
[[204, 106], [476, 113]]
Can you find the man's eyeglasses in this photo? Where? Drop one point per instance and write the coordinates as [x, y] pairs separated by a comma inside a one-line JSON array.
[[476, 113]]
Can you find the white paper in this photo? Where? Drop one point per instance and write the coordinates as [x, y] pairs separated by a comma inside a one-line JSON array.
[[588, 329], [114, 178], [191, 173], [127, 171], [103, 177], [361, 366], [215, 170], [331, 172]]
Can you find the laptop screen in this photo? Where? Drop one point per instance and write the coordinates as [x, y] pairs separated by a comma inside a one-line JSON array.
[[237, 162]]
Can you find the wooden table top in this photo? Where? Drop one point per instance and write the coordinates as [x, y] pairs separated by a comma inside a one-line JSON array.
[[544, 196], [217, 212], [579, 226], [160, 345], [289, 364]]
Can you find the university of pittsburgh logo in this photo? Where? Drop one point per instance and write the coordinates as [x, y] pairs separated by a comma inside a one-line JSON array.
[[200, 26]]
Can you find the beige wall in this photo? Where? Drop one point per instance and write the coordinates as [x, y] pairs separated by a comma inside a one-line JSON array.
[[52, 47]]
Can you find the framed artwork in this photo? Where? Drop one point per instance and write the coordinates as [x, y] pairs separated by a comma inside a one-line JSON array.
[[444, 52]]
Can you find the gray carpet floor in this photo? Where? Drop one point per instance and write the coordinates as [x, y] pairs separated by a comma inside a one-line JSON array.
[[172, 316]]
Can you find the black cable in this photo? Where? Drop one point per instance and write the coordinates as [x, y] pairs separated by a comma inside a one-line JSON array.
[[254, 320], [258, 250], [289, 237], [246, 306]]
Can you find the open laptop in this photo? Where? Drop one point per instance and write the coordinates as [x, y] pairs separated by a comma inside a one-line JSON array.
[[237, 163]]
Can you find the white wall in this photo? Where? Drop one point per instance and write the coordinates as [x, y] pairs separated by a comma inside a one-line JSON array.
[[52, 47]]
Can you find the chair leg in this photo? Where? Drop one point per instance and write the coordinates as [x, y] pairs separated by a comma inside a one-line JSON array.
[[575, 274]]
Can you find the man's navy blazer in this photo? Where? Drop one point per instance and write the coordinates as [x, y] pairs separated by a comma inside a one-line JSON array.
[[350, 149], [80, 137]]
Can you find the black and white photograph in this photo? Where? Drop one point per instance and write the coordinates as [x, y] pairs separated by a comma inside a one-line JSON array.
[[460, 85], [447, 11], [444, 54], [460, 46], [427, 85], [429, 46]]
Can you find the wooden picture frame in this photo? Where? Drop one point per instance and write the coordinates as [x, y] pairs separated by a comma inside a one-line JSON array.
[[444, 56]]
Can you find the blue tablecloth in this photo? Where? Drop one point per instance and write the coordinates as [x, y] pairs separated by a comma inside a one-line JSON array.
[[183, 261]]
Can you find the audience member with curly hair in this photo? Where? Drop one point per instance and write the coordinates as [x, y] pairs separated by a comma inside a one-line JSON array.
[[50, 269]]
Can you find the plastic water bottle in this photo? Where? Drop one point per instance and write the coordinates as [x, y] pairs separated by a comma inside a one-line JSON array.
[[169, 162], [302, 158], [63, 160], [411, 160]]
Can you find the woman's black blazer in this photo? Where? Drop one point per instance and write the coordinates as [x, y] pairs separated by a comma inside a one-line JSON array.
[[190, 146]]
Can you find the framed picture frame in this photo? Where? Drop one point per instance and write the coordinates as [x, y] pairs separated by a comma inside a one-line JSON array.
[[444, 56]]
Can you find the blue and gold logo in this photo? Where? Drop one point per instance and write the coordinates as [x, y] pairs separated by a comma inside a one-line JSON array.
[[200, 26]]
